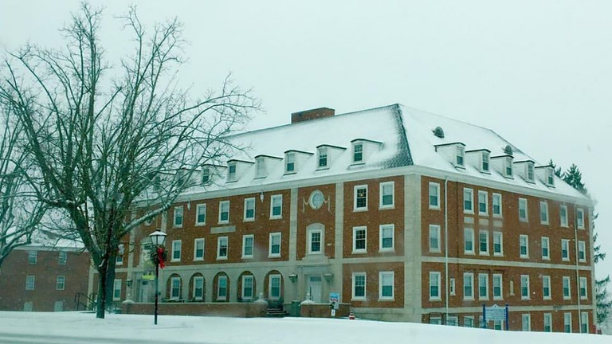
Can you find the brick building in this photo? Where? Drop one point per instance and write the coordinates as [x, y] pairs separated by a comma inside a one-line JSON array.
[[409, 216], [46, 279]]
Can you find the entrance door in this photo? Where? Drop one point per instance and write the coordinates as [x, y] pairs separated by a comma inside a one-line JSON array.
[[314, 288], [146, 292]]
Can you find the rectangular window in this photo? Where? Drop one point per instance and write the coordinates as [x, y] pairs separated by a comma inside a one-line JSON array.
[[545, 248], [30, 282], [275, 245], [523, 209], [468, 321], [565, 249], [468, 241], [563, 216], [117, 290], [275, 287], [546, 292], [359, 239], [359, 286], [28, 306], [483, 286], [580, 218], [276, 208], [198, 288], [176, 250], [468, 201], [386, 282], [32, 257], [175, 288], [315, 238], [468, 286], [231, 171], [249, 209], [224, 209], [247, 246], [530, 172], [583, 288], [386, 237], [581, 251], [497, 287], [508, 167], [543, 212], [357, 152], [198, 249], [387, 195], [452, 286], [434, 238], [524, 246], [222, 247], [178, 217], [200, 214], [497, 204], [290, 163], [361, 197], [547, 322], [62, 258], [119, 259], [260, 167], [434, 286], [460, 153], [60, 283], [567, 322], [584, 322], [483, 203], [322, 157], [58, 306], [247, 287], [434, 196], [222, 288], [483, 242], [485, 162], [525, 287], [205, 175], [567, 288], [525, 322], [498, 244]]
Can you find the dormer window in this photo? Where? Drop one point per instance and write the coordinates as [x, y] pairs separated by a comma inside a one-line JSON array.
[[550, 177], [231, 171], [460, 156], [529, 173], [260, 164], [357, 152], [508, 167], [290, 163], [484, 166], [206, 175], [323, 157]]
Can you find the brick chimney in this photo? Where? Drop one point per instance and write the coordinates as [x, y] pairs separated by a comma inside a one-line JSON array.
[[312, 114]]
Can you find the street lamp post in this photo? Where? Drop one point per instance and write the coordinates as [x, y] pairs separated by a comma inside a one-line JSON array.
[[157, 239]]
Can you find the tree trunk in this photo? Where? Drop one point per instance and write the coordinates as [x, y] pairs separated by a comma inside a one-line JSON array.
[[102, 291]]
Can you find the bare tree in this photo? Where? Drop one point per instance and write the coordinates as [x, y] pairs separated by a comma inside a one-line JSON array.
[[20, 213], [104, 145]]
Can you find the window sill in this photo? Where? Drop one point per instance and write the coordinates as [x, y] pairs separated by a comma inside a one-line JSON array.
[[360, 252], [386, 250], [386, 299], [221, 258], [247, 257], [385, 207], [274, 256], [198, 259], [248, 220], [200, 224], [275, 217], [356, 210]]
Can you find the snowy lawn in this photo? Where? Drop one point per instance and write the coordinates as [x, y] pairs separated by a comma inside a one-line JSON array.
[[74, 327]]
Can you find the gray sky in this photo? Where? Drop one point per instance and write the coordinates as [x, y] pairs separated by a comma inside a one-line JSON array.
[[537, 72]]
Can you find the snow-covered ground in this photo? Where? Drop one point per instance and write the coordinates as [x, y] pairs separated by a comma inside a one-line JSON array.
[[69, 327]]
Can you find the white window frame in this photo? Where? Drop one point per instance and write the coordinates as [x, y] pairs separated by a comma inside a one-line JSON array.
[[358, 152], [563, 216], [529, 172], [496, 199], [435, 281], [383, 277], [322, 158], [565, 250], [544, 213], [309, 240], [272, 284], [382, 229], [547, 322], [468, 233], [460, 156], [526, 238], [200, 211], [178, 217], [485, 162], [290, 163], [523, 205], [526, 322], [249, 204], [546, 285], [62, 257], [58, 306], [434, 191], [32, 257], [219, 287], [584, 322], [566, 280], [581, 251], [357, 230], [354, 285], [206, 175], [274, 235], [508, 170], [30, 282], [483, 278], [545, 245], [580, 218], [452, 286], [468, 199], [435, 230], [232, 169], [468, 321], [244, 289], [60, 282], [222, 241], [525, 284], [468, 277], [483, 199], [276, 202], [356, 198], [389, 186], [224, 208], [177, 248], [583, 288], [480, 237], [499, 235], [196, 242], [567, 322], [195, 287], [175, 285], [117, 289], [245, 240], [500, 278]]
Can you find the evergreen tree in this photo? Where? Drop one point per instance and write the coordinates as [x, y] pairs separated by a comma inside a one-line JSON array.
[[573, 177], [556, 169]]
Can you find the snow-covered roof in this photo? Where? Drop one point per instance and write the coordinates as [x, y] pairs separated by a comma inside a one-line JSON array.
[[406, 136]]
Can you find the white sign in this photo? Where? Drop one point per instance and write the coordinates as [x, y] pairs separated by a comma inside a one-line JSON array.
[[334, 298], [495, 313]]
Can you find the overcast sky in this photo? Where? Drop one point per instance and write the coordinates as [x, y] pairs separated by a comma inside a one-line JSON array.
[[539, 73]]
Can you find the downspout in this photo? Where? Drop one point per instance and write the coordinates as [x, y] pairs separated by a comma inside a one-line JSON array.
[[577, 266], [446, 248]]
